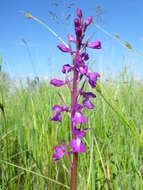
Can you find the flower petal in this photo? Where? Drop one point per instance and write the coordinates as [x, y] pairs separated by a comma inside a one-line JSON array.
[[88, 21], [57, 108], [66, 68], [63, 48], [57, 83], [57, 117], [95, 45], [71, 38], [83, 69], [88, 104], [59, 152], [77, 145], [92, 78], [79, 118]]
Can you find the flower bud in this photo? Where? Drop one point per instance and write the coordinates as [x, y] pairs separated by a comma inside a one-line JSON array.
[[63, 48], [88, 21], [79, 13], [71, 38], [95, 45]]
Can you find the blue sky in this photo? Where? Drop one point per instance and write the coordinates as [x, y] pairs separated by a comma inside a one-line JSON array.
[[43, 58]]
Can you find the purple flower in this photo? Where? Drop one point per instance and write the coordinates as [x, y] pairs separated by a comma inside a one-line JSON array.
[[77, 145], [83, 69], [92, 78], [58, 109], [79, 118], [66, 68], [78, 133], [95, 45], [57, 83], [63, 48], [88, 21], [71, 38], [59, 152], [57, 117], [86, 99], [79, 13]]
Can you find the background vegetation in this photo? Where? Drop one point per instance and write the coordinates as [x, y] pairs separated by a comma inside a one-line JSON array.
[[114, 154]]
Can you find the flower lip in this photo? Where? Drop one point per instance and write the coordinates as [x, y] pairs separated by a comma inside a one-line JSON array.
[[79, 118], [77, 145]]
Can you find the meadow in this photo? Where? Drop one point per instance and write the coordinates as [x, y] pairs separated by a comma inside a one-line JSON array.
[[114, 155]]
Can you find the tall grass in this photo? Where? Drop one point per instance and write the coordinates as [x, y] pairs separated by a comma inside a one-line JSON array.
[[114, 157]]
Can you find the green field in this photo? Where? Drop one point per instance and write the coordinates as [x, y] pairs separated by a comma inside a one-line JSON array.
[[114, 153]]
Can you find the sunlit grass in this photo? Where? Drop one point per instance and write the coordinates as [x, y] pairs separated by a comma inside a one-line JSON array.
[[114, 154]]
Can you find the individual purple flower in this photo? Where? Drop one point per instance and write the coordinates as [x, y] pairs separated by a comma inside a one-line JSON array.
[[59, 109], [71, 38], [83, 69], [95, 45], [57, 83], [77, 145], [63, 48], [86, 99], [92, 78], [66, 68], [79, 118], [59, 152]]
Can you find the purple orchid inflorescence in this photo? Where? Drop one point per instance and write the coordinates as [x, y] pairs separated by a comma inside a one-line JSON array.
[[79, 68], [76, 84]]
